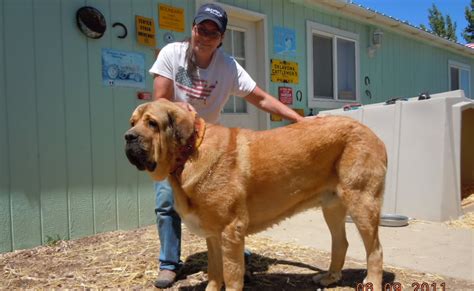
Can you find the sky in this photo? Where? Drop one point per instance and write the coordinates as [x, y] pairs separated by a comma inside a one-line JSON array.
[[416, 11]]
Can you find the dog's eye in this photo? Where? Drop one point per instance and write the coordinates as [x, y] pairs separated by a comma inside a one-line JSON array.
[[132, 124], [152, 124]]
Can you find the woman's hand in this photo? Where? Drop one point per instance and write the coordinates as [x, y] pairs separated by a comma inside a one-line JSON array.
[[187, 106]]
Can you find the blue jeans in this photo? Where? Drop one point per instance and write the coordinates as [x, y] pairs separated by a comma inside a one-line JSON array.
[[169, 227]]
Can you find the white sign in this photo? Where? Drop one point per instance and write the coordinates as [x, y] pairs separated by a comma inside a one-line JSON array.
[[125, 69]]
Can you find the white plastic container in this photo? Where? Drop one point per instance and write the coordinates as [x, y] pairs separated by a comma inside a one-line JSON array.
[[430, 147]]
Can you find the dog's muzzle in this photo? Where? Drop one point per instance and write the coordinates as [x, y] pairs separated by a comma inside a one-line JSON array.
[[136, 154]]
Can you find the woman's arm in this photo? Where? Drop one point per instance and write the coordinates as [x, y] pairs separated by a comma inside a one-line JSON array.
[[162, 88], [268, 103]]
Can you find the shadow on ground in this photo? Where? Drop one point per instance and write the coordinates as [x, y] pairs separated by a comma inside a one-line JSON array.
[[258, 277]]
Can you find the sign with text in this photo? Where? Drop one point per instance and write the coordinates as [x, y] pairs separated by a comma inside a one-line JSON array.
[[123, 68], [285, 95], [145, 31], [284, 71], [171, 18]]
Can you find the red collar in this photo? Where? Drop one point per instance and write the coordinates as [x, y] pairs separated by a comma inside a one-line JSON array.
[[192, 144]]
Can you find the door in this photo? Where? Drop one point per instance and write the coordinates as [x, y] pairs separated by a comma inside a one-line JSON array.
[[240, 42]]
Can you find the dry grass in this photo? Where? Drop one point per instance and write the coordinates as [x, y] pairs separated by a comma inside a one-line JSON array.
[[465, 221], [127, 259]]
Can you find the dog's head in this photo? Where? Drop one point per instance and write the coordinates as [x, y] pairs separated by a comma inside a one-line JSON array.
[[158, 130]]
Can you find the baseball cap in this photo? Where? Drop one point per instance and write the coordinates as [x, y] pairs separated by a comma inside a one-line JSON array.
[[214, 13]]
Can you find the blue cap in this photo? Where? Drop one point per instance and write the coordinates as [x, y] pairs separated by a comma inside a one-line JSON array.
[[214, 13]]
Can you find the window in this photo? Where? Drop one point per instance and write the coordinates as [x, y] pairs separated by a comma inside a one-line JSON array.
[[332, 66], [459, 77], [234, 45]]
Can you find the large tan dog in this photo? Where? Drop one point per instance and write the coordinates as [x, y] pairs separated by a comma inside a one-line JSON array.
[[231, 182]]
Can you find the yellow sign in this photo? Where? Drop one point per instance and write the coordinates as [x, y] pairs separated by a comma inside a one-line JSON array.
[[171, 18], [284, 72], [300, 111], [275, 117], [145, 31]]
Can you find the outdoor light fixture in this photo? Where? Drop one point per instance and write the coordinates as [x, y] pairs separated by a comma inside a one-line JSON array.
[[376, 42], [377, 38]]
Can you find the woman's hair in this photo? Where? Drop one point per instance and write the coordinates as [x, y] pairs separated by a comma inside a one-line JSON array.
[[189, 57]]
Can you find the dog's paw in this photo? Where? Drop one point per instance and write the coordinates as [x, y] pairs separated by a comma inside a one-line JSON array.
[[213, 286], [327, 278]]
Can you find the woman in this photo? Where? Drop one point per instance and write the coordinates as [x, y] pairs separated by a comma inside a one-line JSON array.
[[201, 76]]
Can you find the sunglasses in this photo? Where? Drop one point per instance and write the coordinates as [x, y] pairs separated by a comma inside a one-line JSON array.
[[214, 34]]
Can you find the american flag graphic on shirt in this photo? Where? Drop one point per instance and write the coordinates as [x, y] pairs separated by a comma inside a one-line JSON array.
[[195, 88]]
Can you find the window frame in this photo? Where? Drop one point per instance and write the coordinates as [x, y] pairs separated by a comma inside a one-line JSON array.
[[232, 98], [460, 66], [313, 28]]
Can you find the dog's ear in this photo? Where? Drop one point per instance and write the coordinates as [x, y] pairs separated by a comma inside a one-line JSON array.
[[138, 112], [181, 123]]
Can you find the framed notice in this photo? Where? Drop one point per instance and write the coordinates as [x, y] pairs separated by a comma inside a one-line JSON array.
[[145, 31], [171, 18]]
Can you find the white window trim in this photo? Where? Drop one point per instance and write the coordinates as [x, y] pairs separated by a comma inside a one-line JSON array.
[[462, 66], [312, 28]]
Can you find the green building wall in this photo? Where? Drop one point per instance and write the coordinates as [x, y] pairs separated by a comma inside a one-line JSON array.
[[63, 171]]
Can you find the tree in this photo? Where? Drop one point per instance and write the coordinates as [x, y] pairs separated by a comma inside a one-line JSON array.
[[439, 26], [468, 33], [451, 29]]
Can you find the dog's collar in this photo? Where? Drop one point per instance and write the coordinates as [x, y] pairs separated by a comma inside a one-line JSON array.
[[192, 144]]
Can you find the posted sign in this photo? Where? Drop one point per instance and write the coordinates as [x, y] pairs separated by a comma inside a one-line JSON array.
[[284, 72], [285, 94], [145, 31], [171, 18]]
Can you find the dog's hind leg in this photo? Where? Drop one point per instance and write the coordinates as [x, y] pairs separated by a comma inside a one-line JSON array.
[[361, 170], [366, 215], [214, 264], [335, 215]]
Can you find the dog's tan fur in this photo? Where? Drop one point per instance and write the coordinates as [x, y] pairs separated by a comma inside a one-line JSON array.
[[240, 182]]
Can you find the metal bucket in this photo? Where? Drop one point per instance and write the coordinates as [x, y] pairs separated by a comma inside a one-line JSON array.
[[393, 220]]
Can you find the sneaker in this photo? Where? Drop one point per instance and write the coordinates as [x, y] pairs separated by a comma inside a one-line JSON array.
[[165, 279]]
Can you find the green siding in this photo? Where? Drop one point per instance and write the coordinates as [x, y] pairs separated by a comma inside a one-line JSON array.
[[50, 120], [78, 124], [102, 106], [126, 192], [5, 214], [22, 107], [63, 171]]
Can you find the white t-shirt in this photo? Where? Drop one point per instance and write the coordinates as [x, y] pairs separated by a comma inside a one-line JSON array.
[[210, 89]]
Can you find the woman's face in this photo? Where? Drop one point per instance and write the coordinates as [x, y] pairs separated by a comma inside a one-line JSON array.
[[206, 37]]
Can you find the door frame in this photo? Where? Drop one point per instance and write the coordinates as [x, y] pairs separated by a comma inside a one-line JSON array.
[[263, 63]]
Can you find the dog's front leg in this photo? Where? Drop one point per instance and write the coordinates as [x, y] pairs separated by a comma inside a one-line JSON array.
[[214, 264], [233, 238]]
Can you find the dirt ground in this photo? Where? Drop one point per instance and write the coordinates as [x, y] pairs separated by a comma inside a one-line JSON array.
[[127, 259]]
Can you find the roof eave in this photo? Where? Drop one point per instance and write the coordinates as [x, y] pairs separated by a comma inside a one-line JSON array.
[[380, 19]]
